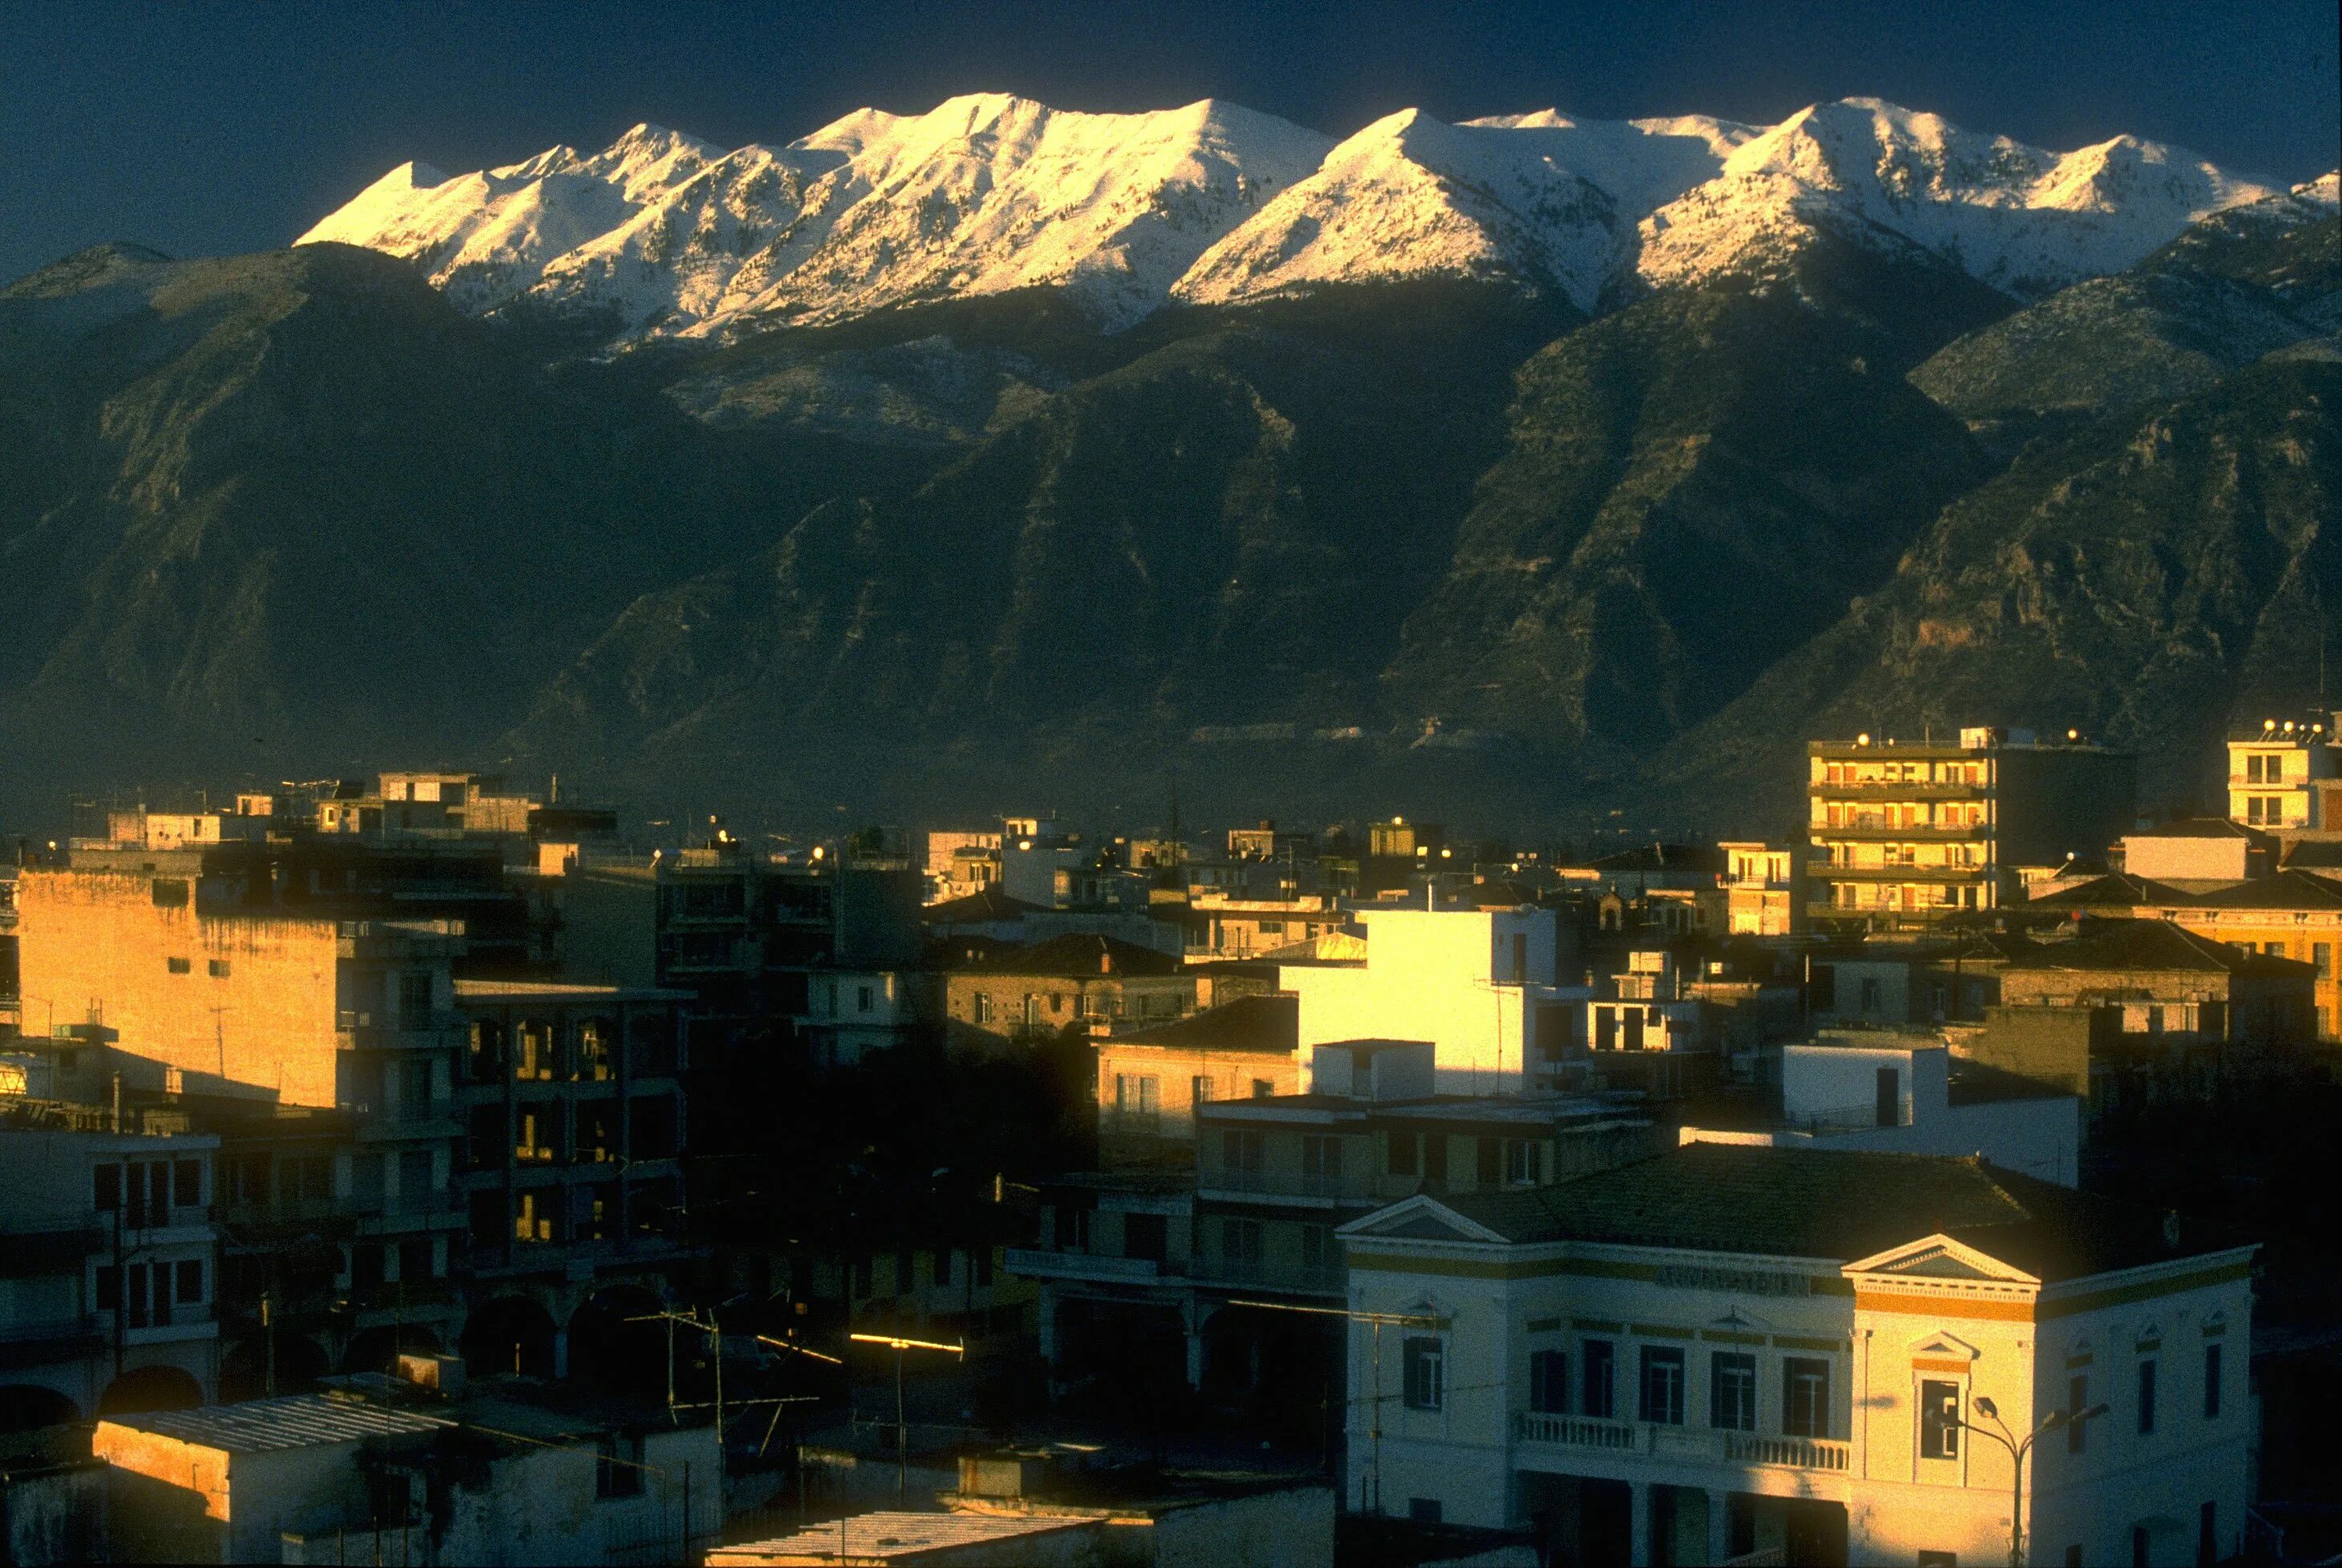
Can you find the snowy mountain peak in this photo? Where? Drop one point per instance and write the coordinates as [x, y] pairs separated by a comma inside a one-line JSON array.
[[1212, 203]]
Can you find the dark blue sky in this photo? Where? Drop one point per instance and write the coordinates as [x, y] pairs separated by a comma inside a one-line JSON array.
[[220, 127]]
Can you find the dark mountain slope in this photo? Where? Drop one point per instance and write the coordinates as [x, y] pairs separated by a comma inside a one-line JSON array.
[[2142, 580]]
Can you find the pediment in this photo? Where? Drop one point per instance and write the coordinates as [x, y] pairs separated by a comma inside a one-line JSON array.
[[1417, 1219], [1940, 1257], [1949, 1347]]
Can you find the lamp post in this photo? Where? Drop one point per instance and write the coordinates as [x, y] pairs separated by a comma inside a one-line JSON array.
[[2018, 1449], [902, 1434]]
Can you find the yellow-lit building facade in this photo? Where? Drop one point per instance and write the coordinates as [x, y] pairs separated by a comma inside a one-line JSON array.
[[1903, 836], [2274, 771]]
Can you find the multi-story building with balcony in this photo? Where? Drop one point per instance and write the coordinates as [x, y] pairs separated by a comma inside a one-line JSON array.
[[108, 1271], [1727, 1350], [1903, 836], [1077, 980], [1169, 1265], [2280, 772], [1760, 889], [571, 1097]]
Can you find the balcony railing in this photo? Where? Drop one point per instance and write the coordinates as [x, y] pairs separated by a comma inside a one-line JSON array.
[[1036, 1263], [1698, 1445], [1902, 791], [1875, 828], [1281, 1184]]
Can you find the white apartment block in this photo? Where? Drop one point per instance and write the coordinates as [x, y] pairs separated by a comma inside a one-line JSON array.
[[1481, 984], [1730, 1350]]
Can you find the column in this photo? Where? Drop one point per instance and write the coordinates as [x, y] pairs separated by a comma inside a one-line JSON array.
[[1719, 1526], [1639, 1545], [1048, 1318], [560, 1353]]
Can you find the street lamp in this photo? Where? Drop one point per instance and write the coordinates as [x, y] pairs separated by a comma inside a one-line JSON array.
[[2018, 1449], [898, 1345]]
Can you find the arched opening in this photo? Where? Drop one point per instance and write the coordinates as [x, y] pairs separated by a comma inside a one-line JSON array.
[[150, 1388], [509, 1334], [28, 1407], [618, 1344], [245, 1373], [377, 1349]]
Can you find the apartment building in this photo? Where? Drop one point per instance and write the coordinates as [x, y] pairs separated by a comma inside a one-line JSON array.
[[1905, 836], [1483, 985], [108, 1255], [1151, 1080], [2280, 772], [1760, 890], [1730, 1349]]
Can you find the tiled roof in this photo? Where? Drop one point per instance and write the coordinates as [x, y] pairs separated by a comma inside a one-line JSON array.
[[2287, 890], [1812, 1203], [296, 1421], [2150, 944], [985, 905], [1257, 1024]]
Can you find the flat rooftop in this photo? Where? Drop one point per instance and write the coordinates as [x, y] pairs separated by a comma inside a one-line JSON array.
[[866, 1538], [270, 1425]]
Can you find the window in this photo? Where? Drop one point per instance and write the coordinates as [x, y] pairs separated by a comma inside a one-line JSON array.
[[2321, 953], [904, 1272], [2078, 1400], [1426, 1373], [1520, 1163], [190, 1287], [1599, 1362], [983, 1008], [1405, 1154], [179, 966], [415, 999], [943, 1260], [169, 893], [1321, 1158], [187, 1182], [1939, 1420], [2145, 1397], [1491, 1161], [1316, 1247], [1732, 1391], [980, 1265], [1805, 1397], [1549, 1381], [1199, 1088], [1240, 1241], [218, 968], [1435, 1157], [2212, 1382], [1663, 1385], [2208, 1535], [1136, 1093], [864, 998], [1240, 1151], [106, 1185]]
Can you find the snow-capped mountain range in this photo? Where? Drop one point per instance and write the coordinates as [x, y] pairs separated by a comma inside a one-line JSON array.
[[1215, 204]]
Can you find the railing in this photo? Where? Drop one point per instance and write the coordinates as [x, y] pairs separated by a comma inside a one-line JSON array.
[[1786, 1453], [1286, 1183], [1580, 1432], [1869, 828], [1698, 1445], [1897, 791], [1036, 1263], [1259, 1273]]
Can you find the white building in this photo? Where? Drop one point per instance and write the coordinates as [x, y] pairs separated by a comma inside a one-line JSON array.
[[1726, 1350], [1481, 984], [1868, 1090], [374, 1476], [107, 1252]]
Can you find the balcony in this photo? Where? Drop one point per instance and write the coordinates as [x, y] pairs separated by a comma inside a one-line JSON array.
[[1875, 829], [1825, 871], [1230, 1181], [1690, 1444], [1087, 1267], [1901, 792], [1259, 1273]]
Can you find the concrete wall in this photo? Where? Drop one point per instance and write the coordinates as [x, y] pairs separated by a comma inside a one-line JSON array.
[[1291, 1528], [2182, 857], [97, 943], [56, 1515]]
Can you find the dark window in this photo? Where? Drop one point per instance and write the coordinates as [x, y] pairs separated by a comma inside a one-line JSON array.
[[2145, 1396], [1890, 1097], [1241, 1151], [179, 966], [943, 1265], [191, 1283], [1939, 1420], [1732, 1391], [1426, 1373], [980, 1262], [1435, 1156], [2139, 1546], [1598, 1383], [1805, 1397], [169, 893], [415, 999], [107, 1183], [618, 1466], [218, 968], [2211, 1383], [1404, 1153], [904, 1270], [2078, 1400], [1549, 1381], [416, 1261], [1663, 1385], [1491, 1161], [187, 1182], [109, 1287], [2208, 1535]]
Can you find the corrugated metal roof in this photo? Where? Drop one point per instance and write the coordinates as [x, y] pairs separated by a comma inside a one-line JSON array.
[[296, 1421]]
